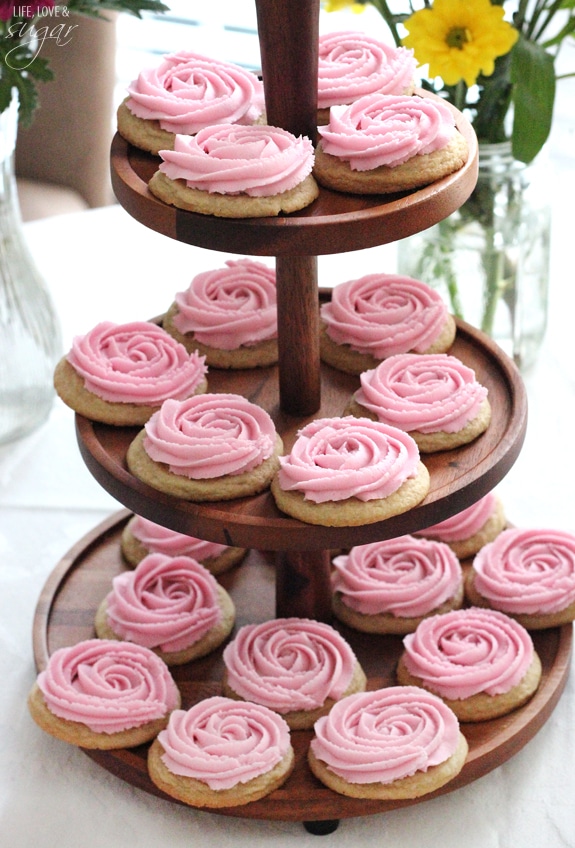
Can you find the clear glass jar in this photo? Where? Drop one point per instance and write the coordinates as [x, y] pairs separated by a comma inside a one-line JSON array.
[[30, 343], [490, 259]]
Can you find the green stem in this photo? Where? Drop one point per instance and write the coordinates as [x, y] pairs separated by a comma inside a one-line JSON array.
[[491, 260], [389, 18], [460, 96]]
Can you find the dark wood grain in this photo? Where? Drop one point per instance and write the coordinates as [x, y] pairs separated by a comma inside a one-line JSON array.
[[288, 35], [299, 376], [65, 614]]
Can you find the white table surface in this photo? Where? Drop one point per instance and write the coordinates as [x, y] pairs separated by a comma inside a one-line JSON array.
[[103, 265]]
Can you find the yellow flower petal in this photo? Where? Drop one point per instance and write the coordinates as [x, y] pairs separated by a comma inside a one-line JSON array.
[[459, 39], [338, 5]]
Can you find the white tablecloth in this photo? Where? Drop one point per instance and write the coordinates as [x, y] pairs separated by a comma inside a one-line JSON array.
[[104, 265]]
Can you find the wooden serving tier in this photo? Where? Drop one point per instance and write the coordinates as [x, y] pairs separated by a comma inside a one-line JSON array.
[[65, 615], [458, 477], [334, 223]]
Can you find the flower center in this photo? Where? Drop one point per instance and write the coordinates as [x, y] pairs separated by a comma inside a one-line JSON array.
[[458, 37]]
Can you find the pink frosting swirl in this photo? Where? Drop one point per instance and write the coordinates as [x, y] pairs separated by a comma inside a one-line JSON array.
[[210, 435], [161, 540], [289, 664], [165, 602], [188, 91], [384, 314], [467, 651], [229, 159], [231, 306], [137, 362], [352, 64], [337, 458], [385, 129], [406, 576], [386, 735], [423, 392], [223, 742], [464, 524], [527, 571], [109, 686]]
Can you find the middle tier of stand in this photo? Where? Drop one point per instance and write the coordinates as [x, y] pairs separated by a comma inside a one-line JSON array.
[[458, 477]]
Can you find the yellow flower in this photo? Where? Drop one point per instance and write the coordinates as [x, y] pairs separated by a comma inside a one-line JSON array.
[[459, 39], [338, 5]]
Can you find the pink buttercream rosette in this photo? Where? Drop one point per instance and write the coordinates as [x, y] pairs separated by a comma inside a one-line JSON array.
[[289, 664], [108, 686], [210, 436], [405, 577], [353, 64], [137, 362], [337, 458], [161, 540], [465, 652], [224, 742], [463, 524], [426, 393], [383, 129], [231, 306], [230, 159], [384, 314], [385, 735], [167, 602], [188, 91], [527, 571]]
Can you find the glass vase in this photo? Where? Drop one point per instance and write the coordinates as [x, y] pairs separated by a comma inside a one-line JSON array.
[[30, 342], [490, 259]]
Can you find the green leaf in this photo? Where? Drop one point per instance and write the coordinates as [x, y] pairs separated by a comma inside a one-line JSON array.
[[94, 8], [533, 78]]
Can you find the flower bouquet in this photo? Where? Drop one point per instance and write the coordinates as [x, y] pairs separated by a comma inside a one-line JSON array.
[[495, 62]]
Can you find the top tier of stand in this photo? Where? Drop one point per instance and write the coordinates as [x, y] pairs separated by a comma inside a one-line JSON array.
[[334, 223]]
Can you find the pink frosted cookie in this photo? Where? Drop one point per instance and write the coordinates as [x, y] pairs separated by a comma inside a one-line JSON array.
[[384, 143], [237, 172], [390, 586], [295, 666], [528, 574], [349, 471], [229, 315], [121, 374], [353, 64], [379, 315], [141, 537], [433, 397], [395, 743], [183, 94], [221, 753], [480, 662], [172, 605], [208, 448], [467, 531], [103, 694]]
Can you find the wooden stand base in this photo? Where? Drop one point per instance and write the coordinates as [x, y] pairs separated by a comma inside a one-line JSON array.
[[65, 614]]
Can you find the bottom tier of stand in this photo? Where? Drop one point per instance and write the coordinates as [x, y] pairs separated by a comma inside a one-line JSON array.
[[65, 615]]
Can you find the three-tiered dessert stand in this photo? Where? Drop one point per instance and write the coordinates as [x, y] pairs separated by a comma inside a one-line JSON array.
[[287, 570]]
